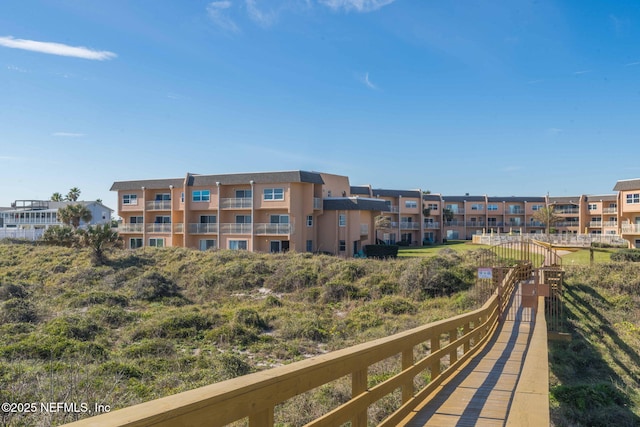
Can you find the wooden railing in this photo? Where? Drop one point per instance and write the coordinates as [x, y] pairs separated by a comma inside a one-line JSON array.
[[451, 342]]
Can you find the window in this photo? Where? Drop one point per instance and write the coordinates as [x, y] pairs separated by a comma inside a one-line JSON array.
[[410, 204], [158, 243], [432, 206], [342, 220], [243, 219], [453, 209], [163, 196], [592, 206], [633, 198], [135, 243], [343, 246], [208, 219], [182, 197], [136, 220], [243, 194], [492, 207], [279, 219], [206, 244], [309, 245], [537, 207], [273, 194], [129, 199], [201, 196], [477, 207], [163, 220], [237, 245], [309, 220]]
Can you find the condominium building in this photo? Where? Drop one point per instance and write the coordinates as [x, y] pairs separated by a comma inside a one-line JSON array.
[[263, 212], [628, 203]]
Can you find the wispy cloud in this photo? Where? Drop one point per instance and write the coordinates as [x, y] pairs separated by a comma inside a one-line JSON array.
[[575, 73], [219, 13], [56, 49], [554, 131], [631, 64], [17, 69], [69, 134], [512, 168], [265, 19], [365, 79], [356, 5]]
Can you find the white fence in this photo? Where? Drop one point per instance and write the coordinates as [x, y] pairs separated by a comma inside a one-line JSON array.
[[18, 233], [580, 240]]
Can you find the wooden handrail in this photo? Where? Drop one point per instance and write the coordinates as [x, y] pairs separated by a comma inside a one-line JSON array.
[[255, 396]]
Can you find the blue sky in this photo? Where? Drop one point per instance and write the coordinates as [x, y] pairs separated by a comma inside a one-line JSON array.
[[482, 97]]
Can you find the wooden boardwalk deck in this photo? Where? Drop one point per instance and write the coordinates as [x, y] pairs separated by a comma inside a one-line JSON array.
[[482, 392]]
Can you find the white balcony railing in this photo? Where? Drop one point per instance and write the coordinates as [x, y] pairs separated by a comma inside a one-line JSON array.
[[610, 210], [262, 229], [130, 228], [364, 229], [630, 228], [198, 228], [405, 225], [158, 228], [178, 228], [236, 203], [597, 224], [432, 225], [159, 205], [231, 228], [317, 203]]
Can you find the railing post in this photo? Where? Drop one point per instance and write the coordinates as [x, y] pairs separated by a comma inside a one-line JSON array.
[[435, 364], [262, 418], [407, 362], [359, 386], [453, 356]]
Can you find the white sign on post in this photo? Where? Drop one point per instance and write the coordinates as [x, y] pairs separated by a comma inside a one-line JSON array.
[[485, 273]]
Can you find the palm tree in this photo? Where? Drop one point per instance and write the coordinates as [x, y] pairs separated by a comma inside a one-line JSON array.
[[57, 197], [99, 239], [73, 214], [73, 194], [547, 215]]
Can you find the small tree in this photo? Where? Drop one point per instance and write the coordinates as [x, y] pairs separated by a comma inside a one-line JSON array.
[[57, 197], [447, 214], [59, 236], [73, 214], [382, 223], [99, 239], [547, 216]]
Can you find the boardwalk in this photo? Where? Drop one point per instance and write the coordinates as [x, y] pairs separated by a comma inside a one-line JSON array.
[[481, 394]]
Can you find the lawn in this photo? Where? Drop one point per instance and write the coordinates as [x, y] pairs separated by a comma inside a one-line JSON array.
[[427, 251]]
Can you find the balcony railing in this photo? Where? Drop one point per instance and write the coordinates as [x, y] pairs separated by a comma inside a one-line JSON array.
[[432, 225], [199, 228], [364, 229], [317, 203], [158, 228], [535, 224], [405, 225], [566, 224], [159, 205], [130, 228], [262, 229], [236, 203], [178, 228], [610, 210], [630, 228], [563, 211], [394, 209], [232, 228], [475, 223], [595, 224], [610, 224]]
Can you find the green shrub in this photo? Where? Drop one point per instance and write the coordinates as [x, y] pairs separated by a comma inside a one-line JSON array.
[[337, 291], [120, 369], [231, 365], [98, 297], [76, 327], [630, 255], [185, 325], [10, 291], [249, 318], [396, 305], [158, 347], [154, 287], [18, 311]]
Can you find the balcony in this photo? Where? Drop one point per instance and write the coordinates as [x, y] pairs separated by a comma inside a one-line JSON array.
[[232, 228], [454, 223], [405, 225], [364, 229], [613, 224], [596, 224], [159, 228], [610, 210], [535, 224], [199, 228], [630, 228], [263, 229], [475, 224], [566, 224], [394, 208], [236, 203], [178, 228], [130, 228], [563, 211], [159, 205], [317, 203], [432, 225]]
